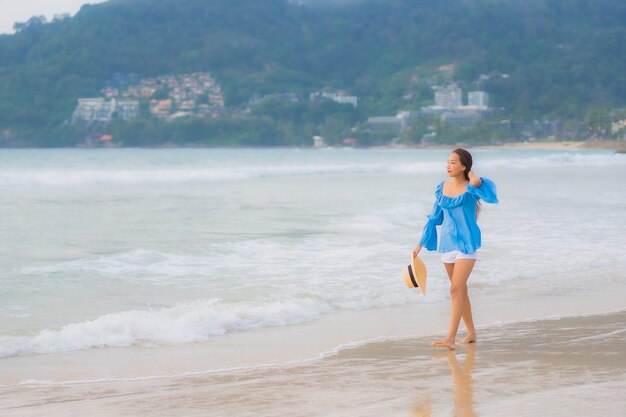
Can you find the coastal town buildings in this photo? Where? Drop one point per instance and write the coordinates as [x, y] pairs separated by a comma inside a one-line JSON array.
[[449, 97], [168, 97], [338, 97], [102, 110], [87, 109], [285, 97], [478, 99], [448, 108], [618, 129], [127, 109]]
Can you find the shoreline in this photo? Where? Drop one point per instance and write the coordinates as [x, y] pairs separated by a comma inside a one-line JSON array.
[[303, 343], [615, 145], [530, 359], [321, 356]]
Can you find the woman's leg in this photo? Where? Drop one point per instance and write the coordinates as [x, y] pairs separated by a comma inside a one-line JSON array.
[[458, 293], [468, 320], [467, 309]]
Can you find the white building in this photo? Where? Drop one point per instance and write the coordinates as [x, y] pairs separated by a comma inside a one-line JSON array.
[[479, 99], [127, 109], [449, 97], [89, 109], [461, 118], [336, 97], [347, 100], [397, 124], [318, 142]]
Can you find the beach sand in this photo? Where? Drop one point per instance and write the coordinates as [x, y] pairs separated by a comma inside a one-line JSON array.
[[615, 145], [551, 146], [548, 367]]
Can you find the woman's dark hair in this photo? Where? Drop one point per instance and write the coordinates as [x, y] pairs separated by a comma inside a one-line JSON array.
[[466, 159]]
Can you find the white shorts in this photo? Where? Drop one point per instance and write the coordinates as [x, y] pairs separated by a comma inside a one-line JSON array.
[[452, 257]]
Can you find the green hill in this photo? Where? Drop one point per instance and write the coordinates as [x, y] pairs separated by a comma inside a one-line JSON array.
[[560, 58]]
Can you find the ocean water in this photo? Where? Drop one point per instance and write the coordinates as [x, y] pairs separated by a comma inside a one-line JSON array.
[[138, 247]]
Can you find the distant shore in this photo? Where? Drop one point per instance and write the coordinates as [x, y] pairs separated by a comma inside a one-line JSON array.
[[616, 145], [557, 146]]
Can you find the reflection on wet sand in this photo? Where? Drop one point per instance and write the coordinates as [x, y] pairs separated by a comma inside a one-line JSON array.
[[556, 367], [463, 384]]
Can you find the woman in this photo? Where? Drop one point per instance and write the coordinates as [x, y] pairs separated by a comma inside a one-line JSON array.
[[456, 210]]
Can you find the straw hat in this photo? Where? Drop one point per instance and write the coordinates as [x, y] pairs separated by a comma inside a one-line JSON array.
[[414, 274]]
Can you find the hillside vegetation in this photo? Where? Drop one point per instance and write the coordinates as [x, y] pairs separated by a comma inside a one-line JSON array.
[[560, 58]]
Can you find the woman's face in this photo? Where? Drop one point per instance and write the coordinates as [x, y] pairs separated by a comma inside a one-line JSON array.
[[455, 167]]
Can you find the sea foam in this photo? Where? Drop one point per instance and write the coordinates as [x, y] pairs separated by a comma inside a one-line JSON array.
[[81, 175], [184, 323]]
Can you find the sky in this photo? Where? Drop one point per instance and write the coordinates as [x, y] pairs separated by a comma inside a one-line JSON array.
[[12, 11]]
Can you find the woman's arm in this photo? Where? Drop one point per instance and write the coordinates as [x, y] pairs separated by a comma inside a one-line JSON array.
[[474, 179], [485, 190], [429, 235]]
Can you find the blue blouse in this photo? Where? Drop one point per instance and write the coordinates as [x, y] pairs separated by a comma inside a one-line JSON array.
[[457, 217]]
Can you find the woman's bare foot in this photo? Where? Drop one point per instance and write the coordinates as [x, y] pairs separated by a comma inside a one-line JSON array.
[[470, 338], [444, 343]]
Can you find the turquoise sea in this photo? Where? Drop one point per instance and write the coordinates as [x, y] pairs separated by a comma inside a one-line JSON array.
[[132, 248]]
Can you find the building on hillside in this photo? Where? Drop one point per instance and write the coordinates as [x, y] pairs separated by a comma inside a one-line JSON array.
[[93, 109], [461, 118], [449, 97], [449, 106], [187, 105], [127, 109], [340, 98], [347, 100], [216, 100], [160, 108], [110, 92], [284, 97], [102, 110], [86, 109], [478, 99], [185, 94], [105, 113]]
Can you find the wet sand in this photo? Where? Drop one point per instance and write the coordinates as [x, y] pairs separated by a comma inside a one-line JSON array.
[[550, 367]]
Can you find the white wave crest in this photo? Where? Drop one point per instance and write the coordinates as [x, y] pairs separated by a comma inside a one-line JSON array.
[[76, 177], [185, 323], [390, 163], [558, 159]]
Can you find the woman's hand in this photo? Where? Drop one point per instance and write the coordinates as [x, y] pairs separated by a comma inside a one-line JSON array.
[[417, 250], [474, 179]]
